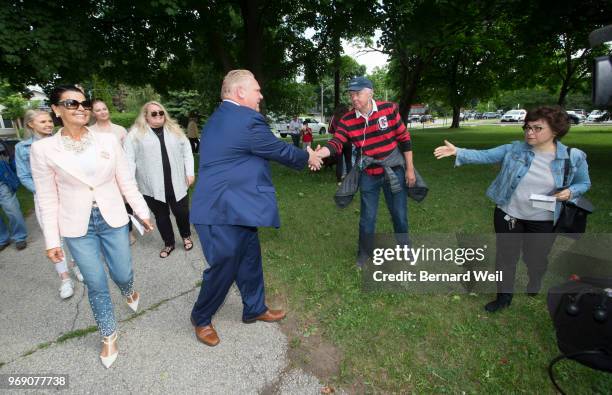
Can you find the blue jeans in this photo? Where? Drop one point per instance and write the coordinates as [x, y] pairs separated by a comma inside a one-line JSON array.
[[396, 203], [114, 244], [10, 206]]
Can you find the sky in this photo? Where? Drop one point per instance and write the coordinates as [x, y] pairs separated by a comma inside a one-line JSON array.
[[368, 58]]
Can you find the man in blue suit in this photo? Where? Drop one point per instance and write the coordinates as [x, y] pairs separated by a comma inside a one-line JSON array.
[[233, 196]]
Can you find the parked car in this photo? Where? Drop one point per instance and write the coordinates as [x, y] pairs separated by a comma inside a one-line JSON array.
[[514, 116], [491, 115], [575, 118], [427, 118], [414, 118], [580, 112], [598, 116], [316, 126]]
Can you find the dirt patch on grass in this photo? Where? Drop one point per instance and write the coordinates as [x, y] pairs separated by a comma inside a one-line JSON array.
[[308, 350]]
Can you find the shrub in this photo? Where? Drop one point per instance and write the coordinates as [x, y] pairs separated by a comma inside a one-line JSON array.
[[125, 119]]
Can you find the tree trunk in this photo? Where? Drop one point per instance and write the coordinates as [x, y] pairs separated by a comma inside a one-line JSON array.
[[220, 50], [253, 31], [456, 112], [409, 92], [336, 87]]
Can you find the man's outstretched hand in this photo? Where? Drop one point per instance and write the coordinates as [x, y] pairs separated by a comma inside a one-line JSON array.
[[314, 160]]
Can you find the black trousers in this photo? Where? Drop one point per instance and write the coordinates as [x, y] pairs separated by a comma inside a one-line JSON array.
[[161, 211], [296, 140], [195, 144], [534, 239], [130, 211], [346, 158]]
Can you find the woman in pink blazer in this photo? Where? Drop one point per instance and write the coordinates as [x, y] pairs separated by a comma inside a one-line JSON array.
[[80, 178]]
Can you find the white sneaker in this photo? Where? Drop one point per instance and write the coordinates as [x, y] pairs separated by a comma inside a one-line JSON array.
[[67, 289], [77, 272]]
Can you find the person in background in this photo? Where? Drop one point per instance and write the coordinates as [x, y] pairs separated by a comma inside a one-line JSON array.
[[344, 162], [103, 121], [39, 125], [193, 134], [306, 135], [160, 156], [294, 130], [81, 178], [9, 183], [532, 166], [104, 124]]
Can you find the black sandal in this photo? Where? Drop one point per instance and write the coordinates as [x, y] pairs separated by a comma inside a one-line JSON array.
[[165, 252], [187, 243]]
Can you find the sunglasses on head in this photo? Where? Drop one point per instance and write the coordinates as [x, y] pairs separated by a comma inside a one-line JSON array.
[[72, 104], [156, 113]]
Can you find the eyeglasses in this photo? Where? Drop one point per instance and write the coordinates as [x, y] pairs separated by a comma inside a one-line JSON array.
[[535, 129], [156, 113], [72, 104]]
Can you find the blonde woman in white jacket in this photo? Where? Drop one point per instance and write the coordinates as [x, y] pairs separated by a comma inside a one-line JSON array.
[[160, 157]]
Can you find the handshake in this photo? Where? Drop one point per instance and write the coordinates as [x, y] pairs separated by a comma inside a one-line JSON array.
[[315, 158]]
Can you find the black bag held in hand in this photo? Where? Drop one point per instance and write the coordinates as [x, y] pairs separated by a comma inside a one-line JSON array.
[[573, 217], [419, 190], [581, 311]]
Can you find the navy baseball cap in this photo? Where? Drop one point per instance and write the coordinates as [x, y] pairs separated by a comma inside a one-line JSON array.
[[358, 83]]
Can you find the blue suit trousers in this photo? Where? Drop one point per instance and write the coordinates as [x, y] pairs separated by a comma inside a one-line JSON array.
[[233, 254]]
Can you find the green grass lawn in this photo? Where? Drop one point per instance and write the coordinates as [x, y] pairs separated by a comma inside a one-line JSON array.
[[400, 342]]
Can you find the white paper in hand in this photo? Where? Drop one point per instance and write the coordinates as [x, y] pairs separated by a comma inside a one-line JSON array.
[[137, 224], [544, 202]]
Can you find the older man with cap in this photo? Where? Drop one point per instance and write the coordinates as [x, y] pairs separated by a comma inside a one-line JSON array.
[[377, 131]]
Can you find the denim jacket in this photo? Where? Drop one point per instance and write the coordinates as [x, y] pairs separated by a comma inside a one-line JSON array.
[[22, 163], [515, 160]]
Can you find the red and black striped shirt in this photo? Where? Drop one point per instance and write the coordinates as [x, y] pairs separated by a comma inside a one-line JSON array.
[[383, 131]]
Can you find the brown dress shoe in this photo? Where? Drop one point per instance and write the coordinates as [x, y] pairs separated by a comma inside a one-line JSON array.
[[207, 335], [268, 316]]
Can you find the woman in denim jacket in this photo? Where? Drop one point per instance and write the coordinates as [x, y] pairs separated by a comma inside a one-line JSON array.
[[533, 166]]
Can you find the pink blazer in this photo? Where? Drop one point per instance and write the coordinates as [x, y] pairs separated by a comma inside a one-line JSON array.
[[65, 195]]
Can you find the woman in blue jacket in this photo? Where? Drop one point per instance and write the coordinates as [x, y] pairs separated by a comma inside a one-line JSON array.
[[533, 166]]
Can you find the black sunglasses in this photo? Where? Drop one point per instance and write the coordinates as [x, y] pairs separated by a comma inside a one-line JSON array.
[[156, 113], [72, 104]]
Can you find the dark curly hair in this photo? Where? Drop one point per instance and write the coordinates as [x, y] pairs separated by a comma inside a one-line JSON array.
[[555, 116], [58, 91], [56, 94]]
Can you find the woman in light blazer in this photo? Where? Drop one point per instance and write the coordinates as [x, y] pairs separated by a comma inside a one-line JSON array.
[[39, 125], [80, 177], [161, 159]]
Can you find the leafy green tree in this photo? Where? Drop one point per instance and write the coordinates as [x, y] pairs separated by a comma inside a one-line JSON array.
[[555, 37], [15, 106]]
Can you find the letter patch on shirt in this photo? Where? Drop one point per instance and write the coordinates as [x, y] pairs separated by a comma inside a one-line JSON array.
[[383, 123]]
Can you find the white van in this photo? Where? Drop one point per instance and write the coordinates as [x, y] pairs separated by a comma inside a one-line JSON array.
[[514, 116]]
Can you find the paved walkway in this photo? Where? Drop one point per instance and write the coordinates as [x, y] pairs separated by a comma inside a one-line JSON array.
[[158, 349]]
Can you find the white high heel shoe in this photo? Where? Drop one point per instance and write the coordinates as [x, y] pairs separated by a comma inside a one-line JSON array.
[[133, 302], [107, 341]]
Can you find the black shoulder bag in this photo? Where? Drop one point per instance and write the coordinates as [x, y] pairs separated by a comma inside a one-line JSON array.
[[581, 312], [573, 218]]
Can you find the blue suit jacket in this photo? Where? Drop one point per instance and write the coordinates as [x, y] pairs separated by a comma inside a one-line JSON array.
[[234, 184]]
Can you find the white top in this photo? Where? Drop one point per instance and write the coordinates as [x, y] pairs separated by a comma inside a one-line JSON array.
[[538, 180], [115, 129], [295, 126], [86, 159]]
